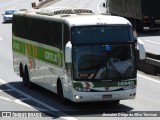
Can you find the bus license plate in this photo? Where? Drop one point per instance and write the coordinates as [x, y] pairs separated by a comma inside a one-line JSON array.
[[107, 96]]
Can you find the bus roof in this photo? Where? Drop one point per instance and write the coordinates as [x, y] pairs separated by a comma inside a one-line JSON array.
[[96, 20], [75, 19]]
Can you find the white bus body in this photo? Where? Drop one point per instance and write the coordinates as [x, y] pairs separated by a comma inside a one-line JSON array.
[[62, 50]]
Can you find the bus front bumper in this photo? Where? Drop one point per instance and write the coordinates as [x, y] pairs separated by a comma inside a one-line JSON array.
[[103, 96]]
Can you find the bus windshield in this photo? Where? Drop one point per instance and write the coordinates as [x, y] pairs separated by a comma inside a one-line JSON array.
[[101, 34], [112, 58], [106, 62]]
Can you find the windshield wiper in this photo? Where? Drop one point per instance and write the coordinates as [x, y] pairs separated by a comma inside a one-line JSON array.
[[115, 69]]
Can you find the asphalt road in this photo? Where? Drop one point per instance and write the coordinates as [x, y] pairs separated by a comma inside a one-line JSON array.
[[151, 41], [12, 90]]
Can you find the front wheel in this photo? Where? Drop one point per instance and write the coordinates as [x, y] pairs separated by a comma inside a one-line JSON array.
[[24, 81], [115, 102], [62, 99]]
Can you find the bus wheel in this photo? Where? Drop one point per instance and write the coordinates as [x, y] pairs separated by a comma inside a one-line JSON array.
[[21, 70], [26, 79], [62, 99]]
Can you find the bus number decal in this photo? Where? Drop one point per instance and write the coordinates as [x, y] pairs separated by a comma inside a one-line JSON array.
[[51, 57], [125, 83]]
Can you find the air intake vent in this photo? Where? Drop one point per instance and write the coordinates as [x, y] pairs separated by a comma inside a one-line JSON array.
[[57, 11], [67, 11], [77, 11]]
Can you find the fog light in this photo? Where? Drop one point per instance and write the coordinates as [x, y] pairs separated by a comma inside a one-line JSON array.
[[78, 97]]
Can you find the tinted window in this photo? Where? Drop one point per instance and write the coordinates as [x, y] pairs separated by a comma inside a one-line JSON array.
[[38, 30], [99, 34]]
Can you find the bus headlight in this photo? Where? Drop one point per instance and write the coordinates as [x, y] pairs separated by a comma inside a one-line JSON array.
[[82, 89], [78, 97]]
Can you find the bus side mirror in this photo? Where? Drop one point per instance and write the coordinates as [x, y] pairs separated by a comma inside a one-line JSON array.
[[142, 53], [68, 52]]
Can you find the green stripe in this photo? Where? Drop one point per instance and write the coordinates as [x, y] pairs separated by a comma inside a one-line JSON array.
[[113, 84], [108, 84], [52, 55], [18, 46]]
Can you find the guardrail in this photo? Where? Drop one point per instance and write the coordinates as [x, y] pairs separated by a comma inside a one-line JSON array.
[[150, 65]]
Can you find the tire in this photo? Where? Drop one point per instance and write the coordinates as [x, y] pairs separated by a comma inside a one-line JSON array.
[[21, 70], [27, 82], [115, 102], [61, 97], [24, 81]]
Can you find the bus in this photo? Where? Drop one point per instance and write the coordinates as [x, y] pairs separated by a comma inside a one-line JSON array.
[[76, 54]]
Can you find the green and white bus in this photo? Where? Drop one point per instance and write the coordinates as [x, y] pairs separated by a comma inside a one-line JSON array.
[[76, 54]]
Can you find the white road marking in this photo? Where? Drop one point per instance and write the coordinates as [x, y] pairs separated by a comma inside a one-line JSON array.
[[99, 6], [18, 101], [37, 101], [6, 90], [5, 98], [152, 42], [148, 78]]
